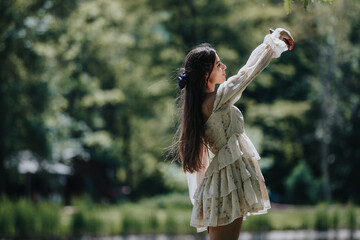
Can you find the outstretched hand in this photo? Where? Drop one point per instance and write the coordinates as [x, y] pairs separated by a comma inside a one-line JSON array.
[[285, 36]]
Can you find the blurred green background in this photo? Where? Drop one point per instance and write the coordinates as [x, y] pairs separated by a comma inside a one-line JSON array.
[[87, 108]]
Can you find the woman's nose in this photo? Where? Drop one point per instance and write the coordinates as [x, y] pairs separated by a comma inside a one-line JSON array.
[[224, 67]]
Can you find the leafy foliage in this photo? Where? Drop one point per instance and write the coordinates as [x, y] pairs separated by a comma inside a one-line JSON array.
[[301, 186], [288, 4], [95, 79]]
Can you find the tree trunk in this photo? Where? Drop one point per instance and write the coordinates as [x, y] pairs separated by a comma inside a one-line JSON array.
[[327, 64]]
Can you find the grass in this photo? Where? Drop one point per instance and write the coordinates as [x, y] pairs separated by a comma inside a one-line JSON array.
[[319, 217], [161, 214], [171, 214], [24, 218]]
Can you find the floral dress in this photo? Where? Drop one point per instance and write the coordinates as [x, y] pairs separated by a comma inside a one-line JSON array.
[[230, 185]]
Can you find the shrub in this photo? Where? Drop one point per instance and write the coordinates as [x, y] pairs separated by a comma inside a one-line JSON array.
[[131, 223], [26, 219], [7, 217], [258, 223], [78, 223], [49, 217], [86, 223], [321, 217], [171, 225], [154, 222], [335, 219], [351, 216], [305, 222], [301, 186]]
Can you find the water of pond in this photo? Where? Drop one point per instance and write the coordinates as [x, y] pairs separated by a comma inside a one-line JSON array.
[[342, 234]]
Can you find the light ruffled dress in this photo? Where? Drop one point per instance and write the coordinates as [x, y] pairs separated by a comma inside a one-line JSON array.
[[230, 185]]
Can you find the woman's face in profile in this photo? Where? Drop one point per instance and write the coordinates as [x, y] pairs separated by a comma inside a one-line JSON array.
[[218, 74]]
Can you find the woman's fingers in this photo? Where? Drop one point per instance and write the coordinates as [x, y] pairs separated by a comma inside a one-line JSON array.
[[289, 42], [287, 38], [283, 35]]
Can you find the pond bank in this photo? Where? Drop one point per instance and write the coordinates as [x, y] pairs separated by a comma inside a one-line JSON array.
[[341, 234]]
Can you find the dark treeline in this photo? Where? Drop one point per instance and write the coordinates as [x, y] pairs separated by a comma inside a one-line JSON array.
[[96, 80]]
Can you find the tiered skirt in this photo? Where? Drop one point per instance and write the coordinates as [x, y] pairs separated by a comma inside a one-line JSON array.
[[233, 186]]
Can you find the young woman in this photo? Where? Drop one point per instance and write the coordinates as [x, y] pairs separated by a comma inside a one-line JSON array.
[[229, 186]]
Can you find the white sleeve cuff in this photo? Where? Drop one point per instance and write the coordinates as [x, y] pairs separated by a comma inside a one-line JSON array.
[[277, 45]]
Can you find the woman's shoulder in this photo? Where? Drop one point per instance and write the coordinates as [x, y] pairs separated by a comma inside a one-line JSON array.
[[208, 105]]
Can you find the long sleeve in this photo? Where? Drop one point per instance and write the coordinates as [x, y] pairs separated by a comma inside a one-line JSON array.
[[230, 91]]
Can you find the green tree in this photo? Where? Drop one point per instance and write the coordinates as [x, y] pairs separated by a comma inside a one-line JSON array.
[[98, 79], [110, 84], [301, 186], [24, 95]]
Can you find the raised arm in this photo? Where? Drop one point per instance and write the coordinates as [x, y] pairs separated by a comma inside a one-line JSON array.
[[274, 44]]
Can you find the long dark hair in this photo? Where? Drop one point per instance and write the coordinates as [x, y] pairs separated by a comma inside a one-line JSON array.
[[190, 141]]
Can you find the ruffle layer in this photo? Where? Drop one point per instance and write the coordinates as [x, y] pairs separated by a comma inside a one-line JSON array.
[[232, 187]]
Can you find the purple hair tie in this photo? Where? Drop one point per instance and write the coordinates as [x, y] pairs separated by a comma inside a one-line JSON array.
[[182, 80]]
